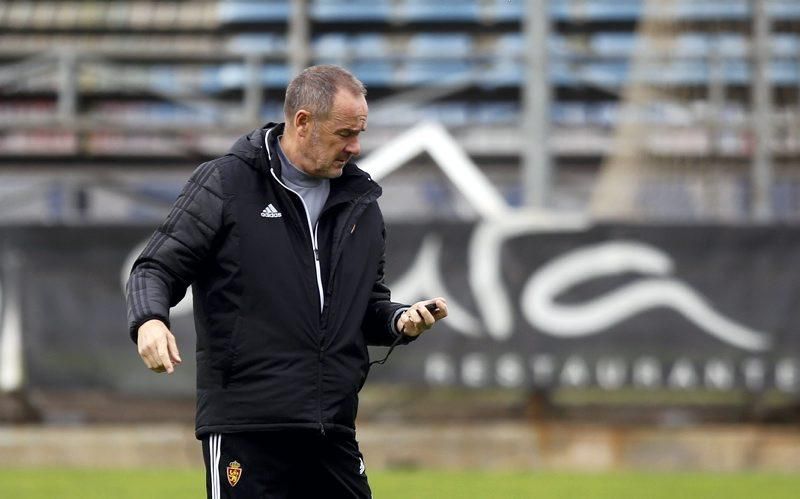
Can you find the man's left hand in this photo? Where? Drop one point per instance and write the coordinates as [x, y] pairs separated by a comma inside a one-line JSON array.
[[419, 319]]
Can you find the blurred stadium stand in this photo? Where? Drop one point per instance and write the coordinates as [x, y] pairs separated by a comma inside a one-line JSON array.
[[159, 86]]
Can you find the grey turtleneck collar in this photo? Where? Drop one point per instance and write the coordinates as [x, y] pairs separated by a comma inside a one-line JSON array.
[[294, 174], [313, 190]]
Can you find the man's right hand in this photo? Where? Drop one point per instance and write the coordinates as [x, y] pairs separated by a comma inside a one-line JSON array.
[[157, 347]]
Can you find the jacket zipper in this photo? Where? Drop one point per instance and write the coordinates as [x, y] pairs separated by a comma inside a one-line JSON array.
[[315, 247]]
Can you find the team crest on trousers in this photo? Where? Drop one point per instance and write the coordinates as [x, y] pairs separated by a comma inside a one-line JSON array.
[[234, 473]]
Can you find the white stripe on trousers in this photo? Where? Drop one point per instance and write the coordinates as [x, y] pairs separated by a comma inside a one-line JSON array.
[[214, 454]]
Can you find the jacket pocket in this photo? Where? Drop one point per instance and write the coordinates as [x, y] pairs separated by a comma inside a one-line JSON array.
[[230, 352]]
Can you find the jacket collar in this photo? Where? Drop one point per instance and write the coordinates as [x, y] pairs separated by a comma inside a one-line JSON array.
[[353, 184], [269, 134]]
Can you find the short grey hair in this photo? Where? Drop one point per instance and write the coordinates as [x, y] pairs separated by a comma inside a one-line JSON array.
[[315, 88]]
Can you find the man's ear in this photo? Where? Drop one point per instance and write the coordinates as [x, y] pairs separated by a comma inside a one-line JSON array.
[[302, 122]]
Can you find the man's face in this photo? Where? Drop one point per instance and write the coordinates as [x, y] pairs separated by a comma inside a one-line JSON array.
[[333, 140]]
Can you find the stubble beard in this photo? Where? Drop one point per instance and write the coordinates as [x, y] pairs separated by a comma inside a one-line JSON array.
[[322, 168]]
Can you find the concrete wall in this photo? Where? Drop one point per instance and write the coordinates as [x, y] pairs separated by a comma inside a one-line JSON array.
[[491, 446]]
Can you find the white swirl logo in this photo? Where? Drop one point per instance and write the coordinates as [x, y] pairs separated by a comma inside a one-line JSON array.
[[538, 300]]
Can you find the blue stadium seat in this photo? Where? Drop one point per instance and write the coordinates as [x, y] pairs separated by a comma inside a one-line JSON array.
[[433, 72], [785, 44], [272, 111], [378, 73], [426, 10], [736, 72], [606, 73], [604, 114], [261, 43], [427, 45], [509, 45], [371, 45], [234, 75], [784, 72], [230, 76], [275, 75], [505, 10], [677, 72], [596, 10], [572, 113], [692, 44], [496, 113], [502, 73], [210, 81], [164, 78], [784, 9], [350, 10], [613, 43], [245, 11], [332, 45], [562, 73], [732, 44], [708, 9]]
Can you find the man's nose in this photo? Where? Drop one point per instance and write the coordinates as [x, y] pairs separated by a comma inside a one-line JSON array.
[[353, 147]]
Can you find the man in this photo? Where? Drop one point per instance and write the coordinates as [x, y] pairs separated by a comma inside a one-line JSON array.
[[283, 243]]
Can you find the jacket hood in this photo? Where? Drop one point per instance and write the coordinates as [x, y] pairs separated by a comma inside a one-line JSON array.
[[250, 146]]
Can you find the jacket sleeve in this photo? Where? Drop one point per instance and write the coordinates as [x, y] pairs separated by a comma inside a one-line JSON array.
[[172, 257], [379, 320]]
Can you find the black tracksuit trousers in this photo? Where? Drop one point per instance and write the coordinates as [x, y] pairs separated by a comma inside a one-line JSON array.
[[287, 464]]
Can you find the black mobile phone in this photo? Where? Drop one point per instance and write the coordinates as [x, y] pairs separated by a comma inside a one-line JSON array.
[[432, 308]]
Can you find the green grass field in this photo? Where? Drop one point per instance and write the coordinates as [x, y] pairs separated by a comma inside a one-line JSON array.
[[132, 484]]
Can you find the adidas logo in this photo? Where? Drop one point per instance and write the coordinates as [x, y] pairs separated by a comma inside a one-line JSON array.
[[271, 212]]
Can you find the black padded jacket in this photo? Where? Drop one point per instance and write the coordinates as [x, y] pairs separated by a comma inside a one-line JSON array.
[[268, 355]]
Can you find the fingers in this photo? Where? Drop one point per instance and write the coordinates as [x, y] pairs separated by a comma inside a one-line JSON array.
[[425, 316], [146, 352], [409, 322], [441, 305], [163, 357], [157, 347], [430, 317], [153, 352], [172, 348], [415, 319], [418, 318]]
